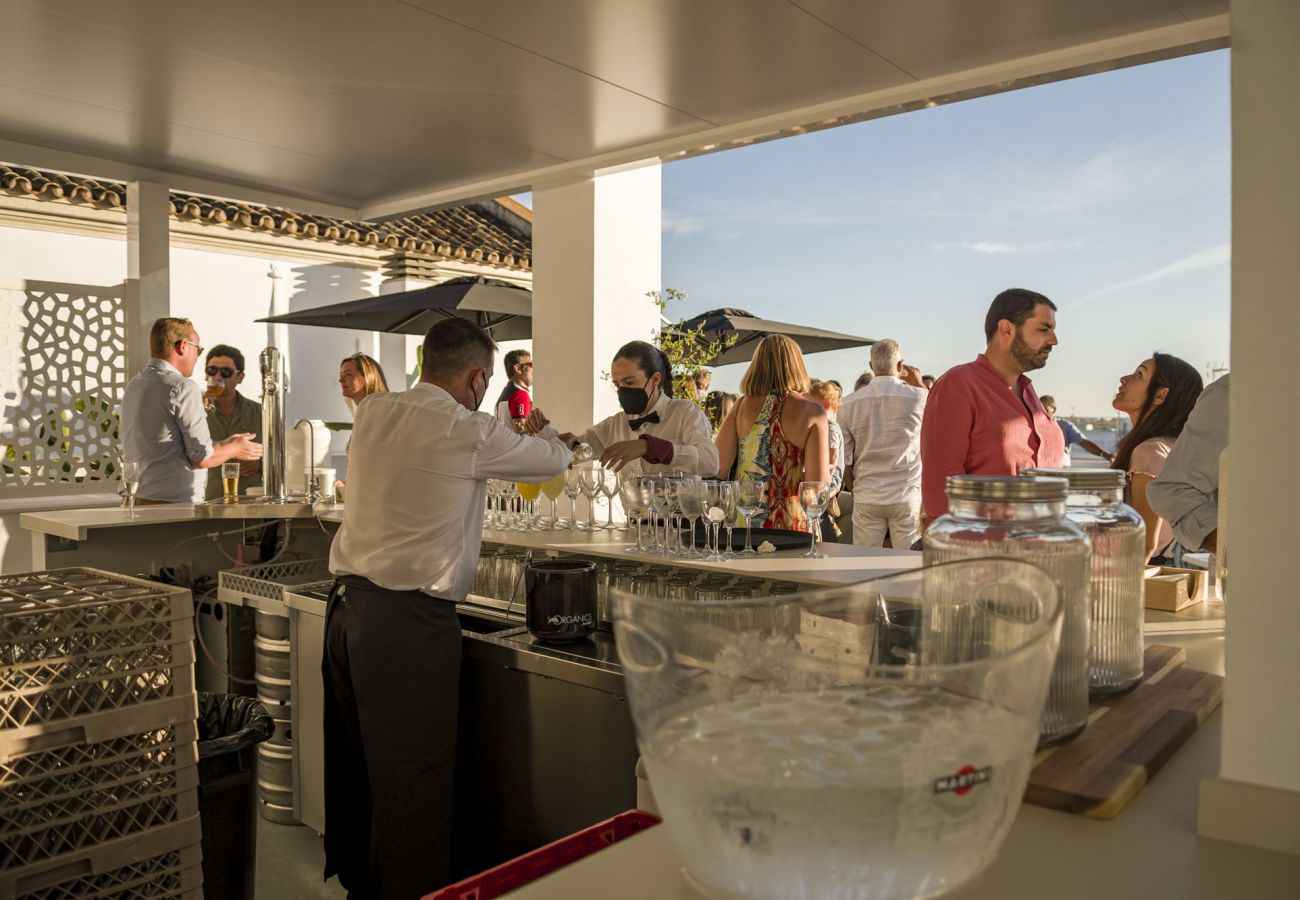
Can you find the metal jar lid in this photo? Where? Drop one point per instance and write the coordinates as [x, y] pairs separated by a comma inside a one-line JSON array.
[[1083, 481], [1007, 487]]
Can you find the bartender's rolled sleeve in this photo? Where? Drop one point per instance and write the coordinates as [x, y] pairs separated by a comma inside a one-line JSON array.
[[192, 420]]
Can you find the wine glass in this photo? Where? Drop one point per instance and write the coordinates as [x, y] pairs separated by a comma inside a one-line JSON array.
[[131, 481], [609, 490], [814, 497], [572, 488], [690, 496], [715, 511], [529, 492], [670, 500], [552, 489], [648, 486], [751, 499], [589, 480], [629, 490]]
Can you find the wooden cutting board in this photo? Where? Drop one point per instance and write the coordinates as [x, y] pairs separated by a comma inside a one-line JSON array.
[[1128, 739]]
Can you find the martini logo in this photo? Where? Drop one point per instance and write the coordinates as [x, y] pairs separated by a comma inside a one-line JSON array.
[[965, 779]]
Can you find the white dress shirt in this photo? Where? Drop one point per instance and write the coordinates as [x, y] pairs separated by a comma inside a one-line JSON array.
[[417, 470], [165, 429], [882, 436], [681, 423]]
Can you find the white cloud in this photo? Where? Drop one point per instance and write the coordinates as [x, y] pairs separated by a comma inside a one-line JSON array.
[[1211, 258], [1013, 248], [681, 224]]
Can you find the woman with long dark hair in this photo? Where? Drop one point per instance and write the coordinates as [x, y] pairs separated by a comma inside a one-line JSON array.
[[655, 432], [1158, 397]]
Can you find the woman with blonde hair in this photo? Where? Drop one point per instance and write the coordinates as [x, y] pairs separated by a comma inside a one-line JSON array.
[[775, 433], [359, 377]]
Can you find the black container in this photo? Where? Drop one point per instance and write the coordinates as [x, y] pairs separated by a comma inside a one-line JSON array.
[[561, 599], [230, 728]]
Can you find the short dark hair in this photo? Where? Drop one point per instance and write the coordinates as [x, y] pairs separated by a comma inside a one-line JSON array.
[[513, 358], [453, 346], [649, 359], [227, 350], [1015, 305]]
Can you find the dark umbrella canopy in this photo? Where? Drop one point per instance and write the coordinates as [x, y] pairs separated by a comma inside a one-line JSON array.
[[749, 330], [503, 310]]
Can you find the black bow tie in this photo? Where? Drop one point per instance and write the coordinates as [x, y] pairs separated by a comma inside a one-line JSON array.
[[653, 418]]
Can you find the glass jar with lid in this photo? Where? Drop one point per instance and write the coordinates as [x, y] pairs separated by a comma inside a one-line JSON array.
[[1024, 518], [1116, 589]]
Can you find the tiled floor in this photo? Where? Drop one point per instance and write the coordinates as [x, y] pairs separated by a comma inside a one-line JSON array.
[[290, 859]]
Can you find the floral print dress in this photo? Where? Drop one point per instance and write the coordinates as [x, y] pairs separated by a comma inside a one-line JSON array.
[[765, 453]]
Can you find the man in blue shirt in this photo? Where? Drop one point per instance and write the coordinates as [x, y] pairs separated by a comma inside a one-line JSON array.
[[1072, 433]]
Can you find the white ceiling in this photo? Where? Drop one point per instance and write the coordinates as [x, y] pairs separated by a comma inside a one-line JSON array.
[[374, 107]]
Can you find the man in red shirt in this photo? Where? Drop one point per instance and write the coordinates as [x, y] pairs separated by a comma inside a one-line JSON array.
[[983, 418], [516, 401]]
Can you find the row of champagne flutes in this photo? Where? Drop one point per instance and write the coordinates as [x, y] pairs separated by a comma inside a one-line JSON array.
[[664, 501], [512, 505]]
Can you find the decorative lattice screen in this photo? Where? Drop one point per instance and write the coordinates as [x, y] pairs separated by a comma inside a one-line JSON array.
[[62, 375]]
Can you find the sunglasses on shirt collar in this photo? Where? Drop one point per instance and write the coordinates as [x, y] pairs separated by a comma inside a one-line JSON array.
[[226, 371]]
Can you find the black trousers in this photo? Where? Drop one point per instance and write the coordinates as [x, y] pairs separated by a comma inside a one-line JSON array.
[[392, 672]]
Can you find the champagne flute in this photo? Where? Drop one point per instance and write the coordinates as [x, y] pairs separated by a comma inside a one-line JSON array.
[[609, 490], [814, 497], [715, 503], [589, 480], [131, 481], [728, 495], [751, 499], [572, 488], [512, 518], [669, 492], [690, 494], [648, 487], [553, 488]]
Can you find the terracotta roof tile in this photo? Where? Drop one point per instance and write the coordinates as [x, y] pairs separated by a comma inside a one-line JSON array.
[[495, 231]]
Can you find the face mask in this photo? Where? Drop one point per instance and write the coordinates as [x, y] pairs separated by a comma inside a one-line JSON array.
[[478, 398], [633, 400]]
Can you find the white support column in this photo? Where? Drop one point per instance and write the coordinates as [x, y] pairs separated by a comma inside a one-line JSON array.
[[1256, 799], [596, 252], [148, 266]]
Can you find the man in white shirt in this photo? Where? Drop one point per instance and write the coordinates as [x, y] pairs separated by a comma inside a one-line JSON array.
[[882, 438], [404, 556]]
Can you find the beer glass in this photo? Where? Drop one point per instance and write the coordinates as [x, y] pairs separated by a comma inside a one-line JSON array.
[[230, 482]]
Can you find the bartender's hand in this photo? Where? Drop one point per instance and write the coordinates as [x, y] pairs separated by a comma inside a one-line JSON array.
[[912, 376], [616, 456], [535, 422], [245, 447]]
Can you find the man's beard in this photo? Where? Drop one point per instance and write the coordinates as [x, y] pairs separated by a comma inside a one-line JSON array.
[[1027, 359]]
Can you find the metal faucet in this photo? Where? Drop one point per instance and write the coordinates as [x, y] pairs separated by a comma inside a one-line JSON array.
[[313, 489]]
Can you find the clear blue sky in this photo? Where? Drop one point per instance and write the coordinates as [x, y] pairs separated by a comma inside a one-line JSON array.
[[1109, 194]]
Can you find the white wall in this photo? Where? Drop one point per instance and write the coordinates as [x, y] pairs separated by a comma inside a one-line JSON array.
[[1261, 700]]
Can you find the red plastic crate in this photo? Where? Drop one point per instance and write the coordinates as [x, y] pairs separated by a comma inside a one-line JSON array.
[[545, 860]]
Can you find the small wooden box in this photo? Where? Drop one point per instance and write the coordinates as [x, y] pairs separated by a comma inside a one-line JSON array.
[[1172, 589]]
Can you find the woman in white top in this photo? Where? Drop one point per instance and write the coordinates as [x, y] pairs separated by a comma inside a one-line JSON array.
[[1158, 397], [654, 432]]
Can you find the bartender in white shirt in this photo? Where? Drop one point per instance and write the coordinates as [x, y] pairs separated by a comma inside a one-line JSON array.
[[405, 554], [654, 432]]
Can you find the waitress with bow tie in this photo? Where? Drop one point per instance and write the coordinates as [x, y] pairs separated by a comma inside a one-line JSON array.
[[655, 432]]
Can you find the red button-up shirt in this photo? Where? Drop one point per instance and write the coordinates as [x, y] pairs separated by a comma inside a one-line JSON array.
[[975, 424]]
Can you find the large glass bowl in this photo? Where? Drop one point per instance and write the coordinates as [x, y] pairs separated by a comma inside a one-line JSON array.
[[867, 741]]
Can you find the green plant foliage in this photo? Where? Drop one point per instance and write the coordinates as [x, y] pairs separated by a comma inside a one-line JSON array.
[[688, 349]]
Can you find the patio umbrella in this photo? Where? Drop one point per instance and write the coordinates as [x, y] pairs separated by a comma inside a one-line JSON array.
[[749, 330], [503, 310]]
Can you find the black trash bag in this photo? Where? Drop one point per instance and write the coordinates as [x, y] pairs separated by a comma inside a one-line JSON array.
[[230, 728]]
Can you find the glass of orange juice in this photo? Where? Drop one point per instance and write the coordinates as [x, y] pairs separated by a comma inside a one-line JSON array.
[[530, 493], [553, 489]]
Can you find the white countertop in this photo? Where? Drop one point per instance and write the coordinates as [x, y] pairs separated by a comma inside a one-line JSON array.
[[1150, 850], [75, 524]]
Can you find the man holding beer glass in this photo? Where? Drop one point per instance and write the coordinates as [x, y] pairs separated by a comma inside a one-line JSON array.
[[230, 413]]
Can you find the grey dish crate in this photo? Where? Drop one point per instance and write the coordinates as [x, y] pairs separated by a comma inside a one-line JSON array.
[[263, 587]]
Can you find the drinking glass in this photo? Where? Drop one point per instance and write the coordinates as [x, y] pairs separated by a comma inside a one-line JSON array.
[[609, 490], [718, 495], [690, 498], [751, 499], [553, 488], [572, 488], [648, 486], [590, 480], [131, 481], [529, 492], [230, 482], [630, 493], [513, 517], [728, 507], [814, 497], [669, 491]]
